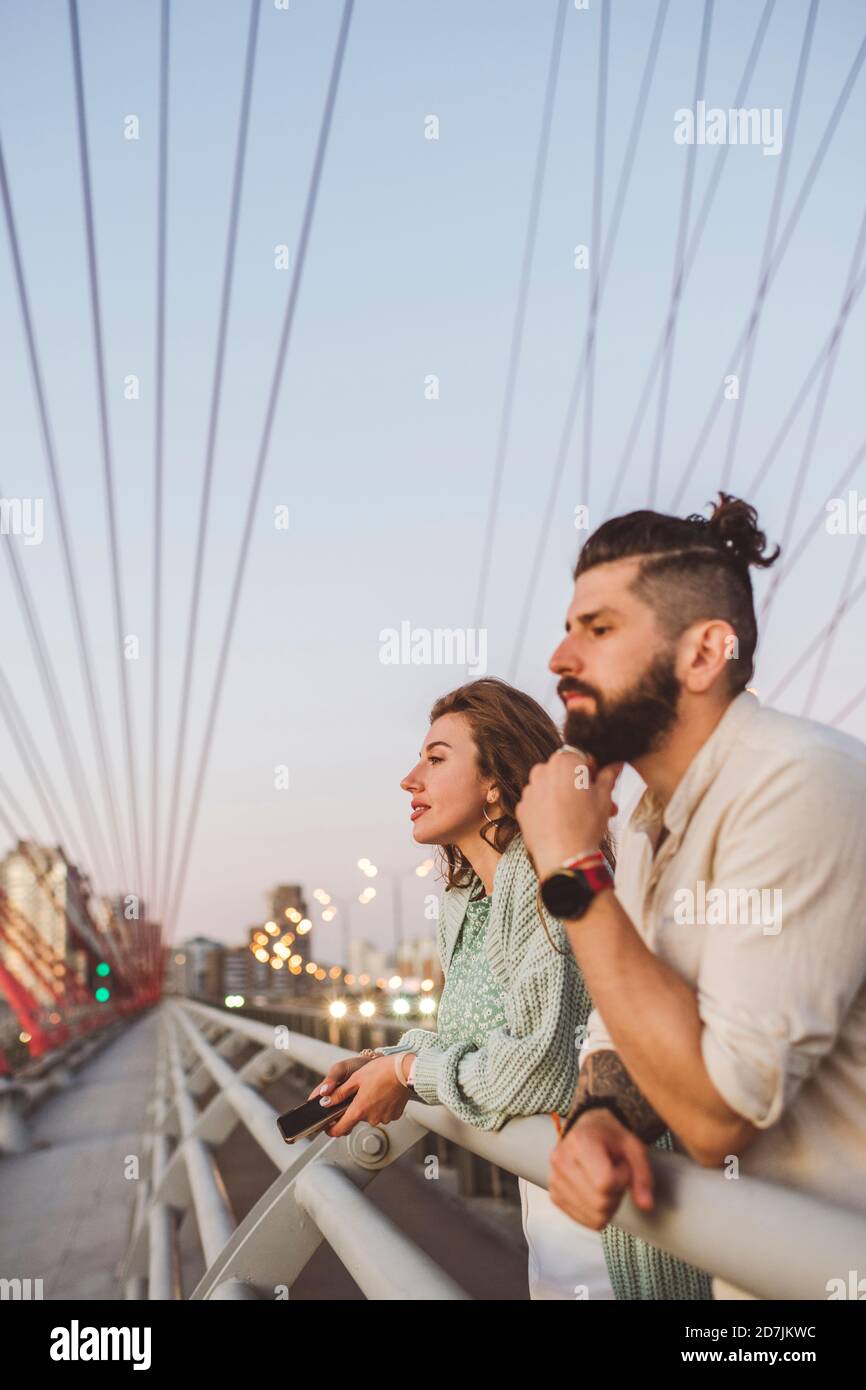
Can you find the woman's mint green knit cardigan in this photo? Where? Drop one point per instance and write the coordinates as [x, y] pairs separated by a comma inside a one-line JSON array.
[[529, 1067]]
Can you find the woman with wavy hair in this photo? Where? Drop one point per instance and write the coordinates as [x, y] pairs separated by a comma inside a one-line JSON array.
[[514, 1003]]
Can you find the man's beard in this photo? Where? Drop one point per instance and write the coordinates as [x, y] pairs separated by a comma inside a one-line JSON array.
[[629, 725]]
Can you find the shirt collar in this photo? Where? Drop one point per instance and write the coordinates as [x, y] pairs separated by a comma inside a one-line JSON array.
[[699, 774]]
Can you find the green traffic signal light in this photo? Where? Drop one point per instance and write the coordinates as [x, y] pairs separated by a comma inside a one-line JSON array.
[[103, 968], [102, 994]]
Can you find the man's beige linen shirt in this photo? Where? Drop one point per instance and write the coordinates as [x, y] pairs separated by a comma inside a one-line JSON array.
[[775, 805]]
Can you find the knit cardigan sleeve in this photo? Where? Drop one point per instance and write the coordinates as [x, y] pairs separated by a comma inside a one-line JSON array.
[[413, 1040], [529, 1066]]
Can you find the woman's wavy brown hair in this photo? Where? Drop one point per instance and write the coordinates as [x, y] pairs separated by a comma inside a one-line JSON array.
[[511, 733]]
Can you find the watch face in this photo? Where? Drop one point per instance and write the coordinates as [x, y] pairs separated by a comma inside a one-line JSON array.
[[566, 894]]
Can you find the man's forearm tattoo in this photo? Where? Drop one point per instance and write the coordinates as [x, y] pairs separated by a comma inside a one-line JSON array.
[[603, 1074]]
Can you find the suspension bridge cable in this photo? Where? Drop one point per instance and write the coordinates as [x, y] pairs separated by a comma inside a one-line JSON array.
[[769, 241], [812, 529], [23, 818], [207, 477], [580, 376], [517, 329], [849, 708], [105, 438], [809, 651], [158, 445], [817, 416], [57, 710], [806, 385], [597, 203], [775, 263], [691, 255], [97, 722], [28, 751], [826, 649], [288, 321], [679, 260]]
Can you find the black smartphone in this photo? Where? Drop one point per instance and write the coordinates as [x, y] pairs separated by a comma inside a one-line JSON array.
[[309, 1117]]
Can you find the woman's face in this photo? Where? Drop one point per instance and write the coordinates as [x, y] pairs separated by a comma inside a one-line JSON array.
[[447, 789]]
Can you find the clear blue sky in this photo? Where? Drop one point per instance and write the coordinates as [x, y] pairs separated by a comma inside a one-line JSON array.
[[413, 270]]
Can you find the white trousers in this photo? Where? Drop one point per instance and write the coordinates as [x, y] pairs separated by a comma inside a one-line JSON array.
[[566, 1260]]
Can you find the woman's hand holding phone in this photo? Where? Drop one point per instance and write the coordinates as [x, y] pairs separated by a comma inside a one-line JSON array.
[[378, 1096], [339, 1072]]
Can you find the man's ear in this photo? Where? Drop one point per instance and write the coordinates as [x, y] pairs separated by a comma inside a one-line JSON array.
[[703, 652]]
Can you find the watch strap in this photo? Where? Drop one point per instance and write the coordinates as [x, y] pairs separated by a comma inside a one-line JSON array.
[[593, 869], [595, 1103]]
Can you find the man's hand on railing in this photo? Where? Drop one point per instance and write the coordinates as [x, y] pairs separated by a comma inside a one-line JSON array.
[[594, 1164], [379, 1097]]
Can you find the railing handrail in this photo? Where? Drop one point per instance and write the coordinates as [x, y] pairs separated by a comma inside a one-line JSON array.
[[700, 1214]]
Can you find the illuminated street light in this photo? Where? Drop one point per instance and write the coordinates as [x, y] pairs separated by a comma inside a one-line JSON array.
[[426, 984], [401, 1006], [427, 1005], [395, 982], [337, 1009], [367, 1008]]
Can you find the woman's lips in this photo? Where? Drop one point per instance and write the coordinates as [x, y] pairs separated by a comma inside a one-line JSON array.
[[418, 811]]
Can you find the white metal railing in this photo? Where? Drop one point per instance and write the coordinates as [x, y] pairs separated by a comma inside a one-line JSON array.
[[772, 1241]]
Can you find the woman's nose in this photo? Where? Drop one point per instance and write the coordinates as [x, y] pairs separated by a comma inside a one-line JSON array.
[[410, 782]]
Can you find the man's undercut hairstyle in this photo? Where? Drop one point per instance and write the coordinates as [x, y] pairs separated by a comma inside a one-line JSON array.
[[692, 568]]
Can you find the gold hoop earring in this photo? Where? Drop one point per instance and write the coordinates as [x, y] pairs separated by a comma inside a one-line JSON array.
[[491, 820]]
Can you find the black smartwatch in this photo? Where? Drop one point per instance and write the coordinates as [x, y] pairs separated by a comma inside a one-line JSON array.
[[570, 889]]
